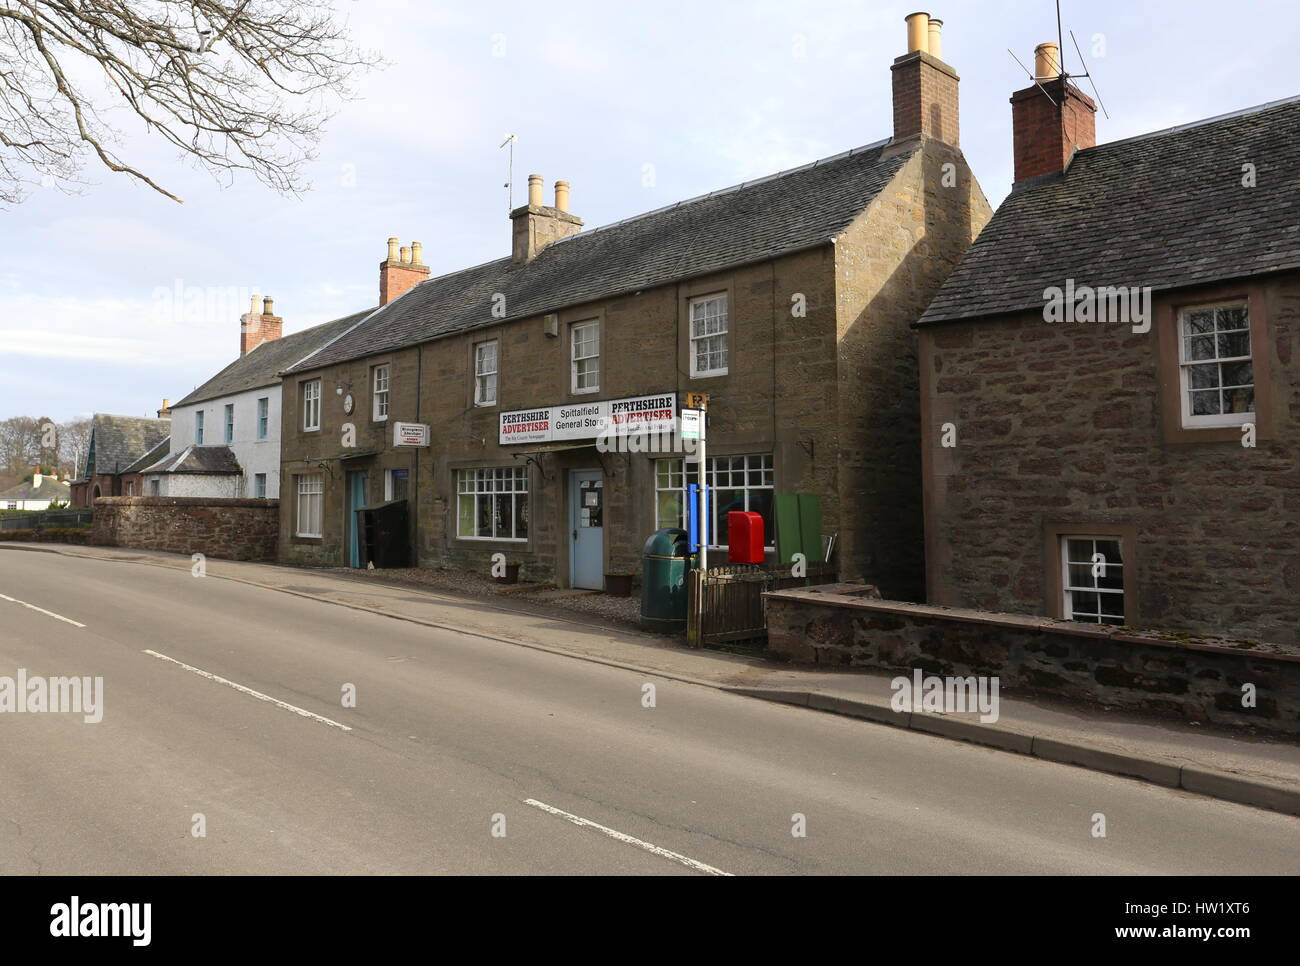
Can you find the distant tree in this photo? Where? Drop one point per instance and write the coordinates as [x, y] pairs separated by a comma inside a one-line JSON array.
[[20, 444], [74, 440], [236, 85]]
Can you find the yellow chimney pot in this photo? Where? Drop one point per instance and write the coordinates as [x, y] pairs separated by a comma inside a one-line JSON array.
[[935, 39], [392, 249], [535, 191], [1047, 62], [918, 32], [562, 195], [417, 253]]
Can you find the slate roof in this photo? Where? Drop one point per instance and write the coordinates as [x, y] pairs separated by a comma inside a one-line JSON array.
[[50, 489], [198, 459], [152, 456], [1162, 210], [116, 442], [752, 222], [262, 366]]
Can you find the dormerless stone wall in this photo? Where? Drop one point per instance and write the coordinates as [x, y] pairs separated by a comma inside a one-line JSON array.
[[1197, 679], [228, 529]]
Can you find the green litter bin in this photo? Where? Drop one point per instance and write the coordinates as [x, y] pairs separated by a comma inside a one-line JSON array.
[[663, 581]]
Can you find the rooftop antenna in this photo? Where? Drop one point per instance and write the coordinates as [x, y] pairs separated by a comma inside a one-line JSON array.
[[510, 172], [1088, 74]]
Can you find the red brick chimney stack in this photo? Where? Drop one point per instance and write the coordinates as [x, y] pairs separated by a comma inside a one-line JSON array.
[[401, 271], [925, 88], [1050, 120], [259, 324]]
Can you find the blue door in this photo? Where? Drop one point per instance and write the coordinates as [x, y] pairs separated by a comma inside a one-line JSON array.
[[587, 529], [356, 500]]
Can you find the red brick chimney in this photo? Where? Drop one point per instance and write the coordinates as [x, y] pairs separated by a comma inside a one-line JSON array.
[[1051, 119], [925, 88], [258, 325], [401, 271]]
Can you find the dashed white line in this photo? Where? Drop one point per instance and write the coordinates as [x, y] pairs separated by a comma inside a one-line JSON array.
[[257, 694], [624, 837], [47, 613]]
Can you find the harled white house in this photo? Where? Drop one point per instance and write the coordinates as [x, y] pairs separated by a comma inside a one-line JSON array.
[[225, 439], [36, 494]]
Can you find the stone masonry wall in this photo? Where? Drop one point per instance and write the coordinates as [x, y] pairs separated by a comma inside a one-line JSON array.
[[226, 529], [1194, 680], [1062, 424]]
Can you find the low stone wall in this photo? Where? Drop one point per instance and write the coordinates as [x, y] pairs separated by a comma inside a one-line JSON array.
[[1193, 678], [228, 529]]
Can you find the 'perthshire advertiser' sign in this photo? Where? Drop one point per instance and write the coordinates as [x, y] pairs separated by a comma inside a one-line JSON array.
[[410, 434], [588, 420]]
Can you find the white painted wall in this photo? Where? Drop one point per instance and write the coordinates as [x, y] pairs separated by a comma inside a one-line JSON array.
[[193, 484], [254, 455]]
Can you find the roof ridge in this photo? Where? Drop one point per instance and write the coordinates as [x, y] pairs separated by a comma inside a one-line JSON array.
[[1242, 112], [725, 191]]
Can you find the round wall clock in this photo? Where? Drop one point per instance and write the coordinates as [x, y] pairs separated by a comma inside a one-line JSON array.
[[347, 404]]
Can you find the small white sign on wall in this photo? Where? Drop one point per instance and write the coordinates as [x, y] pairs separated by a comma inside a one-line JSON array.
[[411, 434]]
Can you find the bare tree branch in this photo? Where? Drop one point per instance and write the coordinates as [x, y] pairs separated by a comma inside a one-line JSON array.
[[236, 85]]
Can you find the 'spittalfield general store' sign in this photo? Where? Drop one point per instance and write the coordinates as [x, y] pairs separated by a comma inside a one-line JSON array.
[[639, 414]]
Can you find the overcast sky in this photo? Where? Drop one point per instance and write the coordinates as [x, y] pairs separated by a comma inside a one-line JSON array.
[[636, 105]]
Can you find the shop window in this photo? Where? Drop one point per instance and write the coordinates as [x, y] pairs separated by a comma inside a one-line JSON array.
[[492, 504], [735, 483]]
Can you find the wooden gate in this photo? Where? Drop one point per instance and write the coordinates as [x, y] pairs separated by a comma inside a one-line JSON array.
[[725, 605]]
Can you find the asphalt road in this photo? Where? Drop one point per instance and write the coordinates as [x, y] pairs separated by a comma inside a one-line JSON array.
[[455, 739]]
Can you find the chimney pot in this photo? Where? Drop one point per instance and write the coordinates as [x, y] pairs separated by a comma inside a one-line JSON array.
[[925, 88], [252, 308], [562, 195], [406, 256], [417, 253], [918, 32], [268, 306], [1047, 62], [392, 249], [534, 191]]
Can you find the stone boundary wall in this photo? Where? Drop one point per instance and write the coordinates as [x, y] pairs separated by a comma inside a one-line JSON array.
[[1182, 676], [224, 528]]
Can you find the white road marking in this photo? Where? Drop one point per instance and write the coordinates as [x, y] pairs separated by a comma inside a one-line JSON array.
[[47, 613], [623, 837], [257, 694]]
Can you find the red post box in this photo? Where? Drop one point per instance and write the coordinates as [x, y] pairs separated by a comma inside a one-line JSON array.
[[744, 537]]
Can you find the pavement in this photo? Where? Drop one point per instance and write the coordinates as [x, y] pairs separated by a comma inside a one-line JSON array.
[[473, 717]]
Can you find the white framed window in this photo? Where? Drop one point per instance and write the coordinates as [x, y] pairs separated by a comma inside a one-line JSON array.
[[230, 422], [709, 336], [263, 416], [311, 405], [735, 483], [485, 374], [380, 381], [11, 505], [397, 484], [198, 427], [155, 486], [311, 498], [492, 504], [259, 486], [1092, 579], [1215, 370], [584, 351]]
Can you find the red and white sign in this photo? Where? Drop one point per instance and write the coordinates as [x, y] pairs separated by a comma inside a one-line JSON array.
[[410, 434], [588, 420]]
